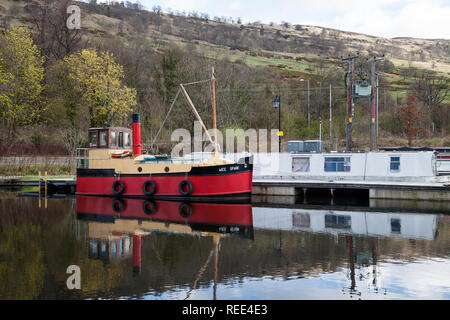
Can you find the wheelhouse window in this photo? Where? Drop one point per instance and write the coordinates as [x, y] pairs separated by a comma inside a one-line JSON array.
[[93, 249], [103, 139], [93, 135], [120, 139], [395, 164], [337, 164], [113, 138], [127, 141], [300, 164]]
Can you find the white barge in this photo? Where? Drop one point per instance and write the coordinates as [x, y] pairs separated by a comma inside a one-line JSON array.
[[410, 175]]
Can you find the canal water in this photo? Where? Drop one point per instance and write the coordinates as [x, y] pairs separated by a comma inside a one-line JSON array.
[[136, 249]]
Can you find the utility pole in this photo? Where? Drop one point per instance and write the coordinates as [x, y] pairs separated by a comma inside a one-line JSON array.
[[309, 108], [320, 130], [320, 101], [330, 114], [309, 118], [279, 124], [377, 104], [349, 115], [373, 104]]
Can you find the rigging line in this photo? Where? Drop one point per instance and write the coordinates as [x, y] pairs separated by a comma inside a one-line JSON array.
[[167, 116], [196, 82], [200, 273]]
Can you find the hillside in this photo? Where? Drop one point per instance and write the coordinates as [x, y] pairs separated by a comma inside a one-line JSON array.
[[288, 47], [279, 42], [275, 58]]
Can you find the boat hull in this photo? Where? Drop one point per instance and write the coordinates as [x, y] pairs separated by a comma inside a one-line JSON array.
[[205, 217], [231, 181]]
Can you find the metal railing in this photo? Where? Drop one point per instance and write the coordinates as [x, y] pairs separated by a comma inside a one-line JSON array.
[[82, 158]]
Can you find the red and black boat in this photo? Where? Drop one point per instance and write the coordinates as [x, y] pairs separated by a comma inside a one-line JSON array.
[[103, 171], [114, 165]]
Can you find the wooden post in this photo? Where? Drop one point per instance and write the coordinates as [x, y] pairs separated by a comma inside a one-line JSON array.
[[45, 190], [216, 241], [39, 181], [213, 85]]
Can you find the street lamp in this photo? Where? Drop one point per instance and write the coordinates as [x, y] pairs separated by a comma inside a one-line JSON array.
[[277, 104], [309, 121]]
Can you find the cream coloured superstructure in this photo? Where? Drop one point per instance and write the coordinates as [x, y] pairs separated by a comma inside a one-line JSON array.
[[103, 159]]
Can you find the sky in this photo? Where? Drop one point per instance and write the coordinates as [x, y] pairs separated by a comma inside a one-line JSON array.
[[428, 19]]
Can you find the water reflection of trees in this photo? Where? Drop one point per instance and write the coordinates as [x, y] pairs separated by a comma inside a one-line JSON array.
[[37, 245]]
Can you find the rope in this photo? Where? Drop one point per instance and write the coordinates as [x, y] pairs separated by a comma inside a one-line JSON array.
[[196, 82], [167, 116], [171, 107]]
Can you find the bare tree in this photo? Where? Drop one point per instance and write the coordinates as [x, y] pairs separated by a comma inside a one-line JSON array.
[[50, 23], [410, 116], [432, 91]]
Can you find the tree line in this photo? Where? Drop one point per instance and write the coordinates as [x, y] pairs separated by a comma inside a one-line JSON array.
[[55, 83]]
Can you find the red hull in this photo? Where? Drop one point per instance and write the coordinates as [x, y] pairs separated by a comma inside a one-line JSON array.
[[214, 181], [169, 211]]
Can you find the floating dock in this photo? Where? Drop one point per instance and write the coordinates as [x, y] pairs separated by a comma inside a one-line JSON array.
[[360, 189], [63, 186]]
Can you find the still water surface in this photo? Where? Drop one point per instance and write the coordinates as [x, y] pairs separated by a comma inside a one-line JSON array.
[[133, 249]]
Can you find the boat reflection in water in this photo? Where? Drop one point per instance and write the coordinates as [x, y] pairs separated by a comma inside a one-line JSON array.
[[117, 227], [358, 223], [362, 258], [357, 252]]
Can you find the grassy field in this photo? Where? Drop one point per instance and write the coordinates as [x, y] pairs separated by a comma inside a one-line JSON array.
[[31, 170], [26, 178]]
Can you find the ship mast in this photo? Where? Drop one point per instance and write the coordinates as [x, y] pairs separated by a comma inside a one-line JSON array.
[[213, 85]]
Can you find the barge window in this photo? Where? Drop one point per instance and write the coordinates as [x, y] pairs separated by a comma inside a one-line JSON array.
[[337, 164], [396, 226], [120, 139], [301, 220], [338, 221], [113, 138], [103, 135], [127, 139], [395, 164], [300, 164], [93, 139]]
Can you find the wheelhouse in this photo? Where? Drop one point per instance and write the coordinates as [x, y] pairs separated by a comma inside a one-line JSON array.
[[110, 138]]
